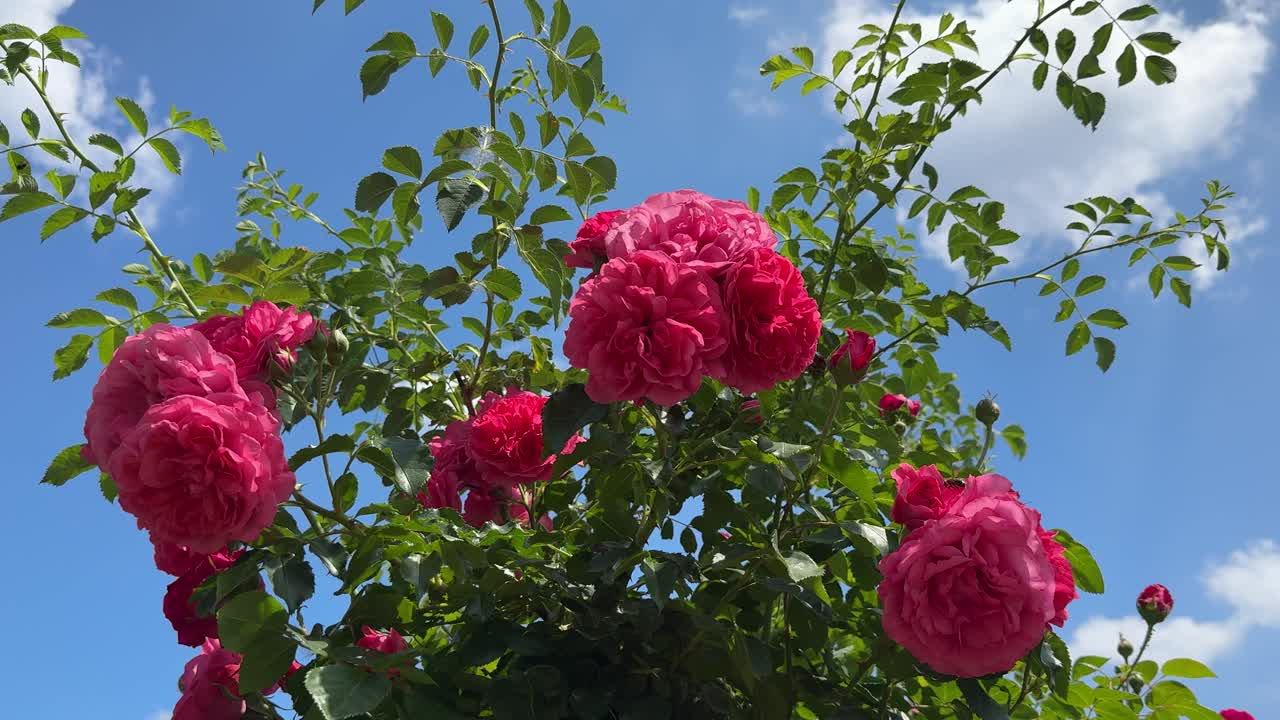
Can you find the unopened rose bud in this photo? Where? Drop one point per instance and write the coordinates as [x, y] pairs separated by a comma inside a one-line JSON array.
[[1125, 648], [849, 361], [987, 411], [1155, 603], [900, 428], [750, 412], [338, 345]]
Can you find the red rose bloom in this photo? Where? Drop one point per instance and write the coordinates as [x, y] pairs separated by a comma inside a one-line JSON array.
[[1155, 603], [158, 363], [646, 327], [193, 629], [692, 228], [1064, 577], [849, 361], [892, 403], [505, 441], [588, 247], [773, 323], [262, 334], [923, 495], [210, 686], [203, 471], [174, 559], [1235, 715]]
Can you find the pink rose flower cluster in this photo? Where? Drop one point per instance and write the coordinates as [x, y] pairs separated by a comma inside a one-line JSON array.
[[183, 423], [495, 458], [688, 287], [210, 685], [890, 404], [977, 581], [192, 628]]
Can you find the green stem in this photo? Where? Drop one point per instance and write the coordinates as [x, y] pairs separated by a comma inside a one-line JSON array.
[[1151, 631]]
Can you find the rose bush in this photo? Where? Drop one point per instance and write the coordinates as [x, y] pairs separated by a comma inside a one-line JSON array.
[[747, 490]]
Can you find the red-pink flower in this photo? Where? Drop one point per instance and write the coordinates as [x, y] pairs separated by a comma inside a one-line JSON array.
[[201, 472], [692, 228], [210, 686], [174, 559], [646, 327], [1155, 603], [1064, 577], [505, 440], [922, 495], [1235, 715], [773, 323], [892, 403], [849, 361], [588, 247], [179, 608], [751, 412], [971, 592], [159, 363], [388, 641], [263, 333]]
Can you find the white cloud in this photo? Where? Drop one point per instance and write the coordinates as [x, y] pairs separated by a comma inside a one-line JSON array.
[[1026, 151], [1248, 582], [747, 14], [752, 102], [84, 97], [159, 715]]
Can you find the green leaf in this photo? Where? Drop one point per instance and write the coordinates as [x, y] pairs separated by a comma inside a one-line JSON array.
[[1180, 263], [1070, 270], [560, 21], [1160, 42], [1160, 70], [980, 702], [404, 160], [1065, 45], [1016, 439], [1040, 41], [376, 72], [1182, 289], [478, 39], [65, 465], [168, 154], [536, 15], [32, 123], [72, 356], [23, 203], [578, 144], [59, 220], [1078, 338], [1185, 668], [549, 214], [82, 317], [1141, 12], [107, 487], [454, 196], [103, 140], [331, 444], [1106, 352], [119, 296], [373, 191], [110, 339], [1101, 38], [801, 567], [583, 43], [4, 134], [1087, 573], [443, 27], [294, 581], [1089, 67], [567, 411], [1040, 75], [1108, 318], [1155, 280], [249, 616], [342, 691], [396, 43], [136, 117], [503, 283], [1091, 284], [1127, 65]]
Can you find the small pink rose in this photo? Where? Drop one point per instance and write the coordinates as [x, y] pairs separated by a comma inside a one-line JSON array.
[[1155, 603], [849, 361]]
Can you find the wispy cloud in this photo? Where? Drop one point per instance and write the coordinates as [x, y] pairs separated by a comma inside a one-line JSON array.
[[747, 14], [754, 102]]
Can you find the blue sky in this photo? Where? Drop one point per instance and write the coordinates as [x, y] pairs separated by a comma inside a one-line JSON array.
[[1158, 465]]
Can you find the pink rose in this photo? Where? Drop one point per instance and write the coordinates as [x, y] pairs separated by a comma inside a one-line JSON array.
[[263, 333], [971, 593], [588, 247], [692, 228], [159, 363], [773, 323], [201, 472], [1235, 715], [506, 439], [210, 686], [174, 559], [923, 495], [498, 505], [750, 412], [1155, 603], [179, 608], [892, 403], [389, 642], [849, 361], [646, 328]]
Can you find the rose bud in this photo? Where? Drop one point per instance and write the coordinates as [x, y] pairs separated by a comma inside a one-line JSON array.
[[987, 411], [1125, 648], [750, 412], [849, 361], [1154, 604], [337, 346], [900, 428]]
